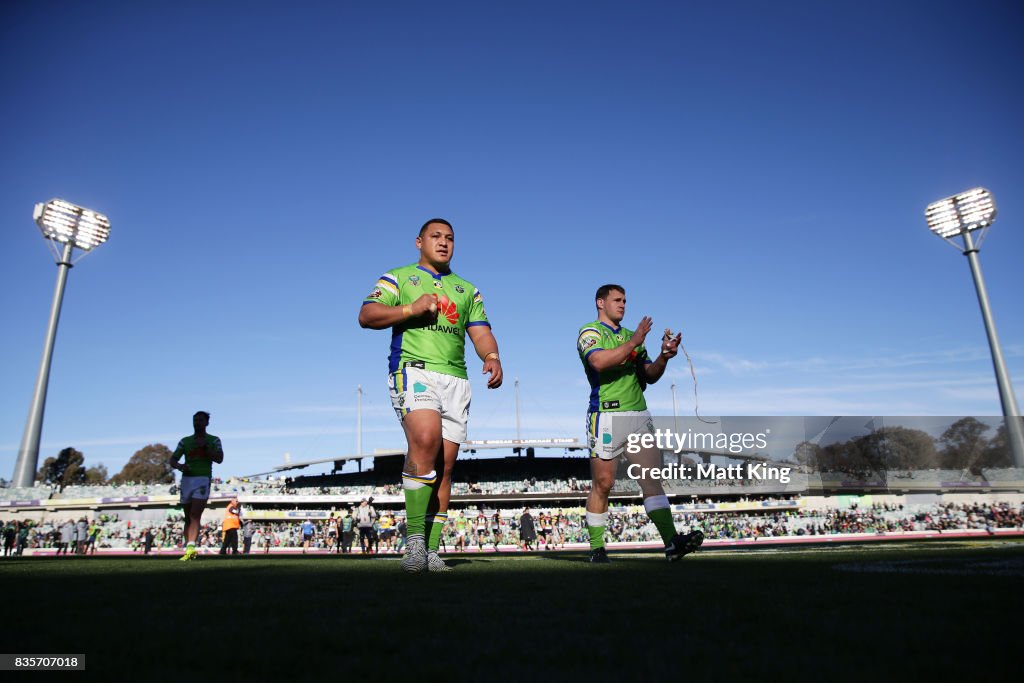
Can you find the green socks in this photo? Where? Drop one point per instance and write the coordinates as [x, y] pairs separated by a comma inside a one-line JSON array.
[[661, 514], [417, 498], [596, 523], [435, 527]]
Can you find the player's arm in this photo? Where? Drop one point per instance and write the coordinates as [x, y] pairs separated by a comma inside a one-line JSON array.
[[216, 451], [487, 349], [603, 359], [175, 456], [378, 316], [669, 349]]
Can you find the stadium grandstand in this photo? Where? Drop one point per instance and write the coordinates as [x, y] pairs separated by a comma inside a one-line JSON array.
[[826, 507]]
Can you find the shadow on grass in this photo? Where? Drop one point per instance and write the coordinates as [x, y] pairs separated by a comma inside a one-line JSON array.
[[726, 616]]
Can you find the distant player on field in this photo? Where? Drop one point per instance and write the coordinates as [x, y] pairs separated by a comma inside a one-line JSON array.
[[308, 532], [618, 368], [481, 530], [430, 310], [201, 450], [461, 526], [496, 529]]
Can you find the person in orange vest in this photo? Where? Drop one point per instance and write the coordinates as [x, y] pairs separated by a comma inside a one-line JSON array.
[[232, 523]]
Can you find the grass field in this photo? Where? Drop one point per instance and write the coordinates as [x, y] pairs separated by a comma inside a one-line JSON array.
[[939, 610]]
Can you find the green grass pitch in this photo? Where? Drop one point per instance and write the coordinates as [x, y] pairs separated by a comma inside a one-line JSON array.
[[924, 611]]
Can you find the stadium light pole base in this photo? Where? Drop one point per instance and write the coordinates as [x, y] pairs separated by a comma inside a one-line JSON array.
[[28, 452], [1008, 400]]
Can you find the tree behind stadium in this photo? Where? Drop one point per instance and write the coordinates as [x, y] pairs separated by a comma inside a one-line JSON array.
[[899, 448], [97, 474], [148, 466], [997, 453], [66, 469], [963, 444], [888, 448]]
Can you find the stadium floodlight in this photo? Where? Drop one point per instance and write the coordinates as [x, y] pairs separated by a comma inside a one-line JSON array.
[[965, 212], [959, 216], [61, 222], [64, 222]]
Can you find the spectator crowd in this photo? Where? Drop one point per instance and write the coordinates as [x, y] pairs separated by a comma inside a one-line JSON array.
[[363, 528]]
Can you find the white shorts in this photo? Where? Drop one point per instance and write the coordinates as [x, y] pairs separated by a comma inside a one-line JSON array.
[[607, 432], [418, 389], [194, 488]]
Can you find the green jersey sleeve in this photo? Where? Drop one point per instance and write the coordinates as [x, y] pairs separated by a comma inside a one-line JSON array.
[[385, 291], [477, 314]]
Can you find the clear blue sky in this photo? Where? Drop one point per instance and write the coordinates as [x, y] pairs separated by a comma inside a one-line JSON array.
[[755, 173]]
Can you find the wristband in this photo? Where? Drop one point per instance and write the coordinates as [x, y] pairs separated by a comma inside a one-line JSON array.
[[492, 353], [407, 311]]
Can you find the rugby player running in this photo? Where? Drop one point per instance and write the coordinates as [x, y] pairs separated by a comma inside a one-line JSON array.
[[201, 450]]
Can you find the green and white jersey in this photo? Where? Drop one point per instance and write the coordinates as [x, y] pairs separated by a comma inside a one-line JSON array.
[[617, 388], [439, 346], [198, 456]]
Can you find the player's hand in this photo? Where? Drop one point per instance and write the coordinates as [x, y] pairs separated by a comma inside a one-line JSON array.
[[426, 305], [642, 328], [670, 344], [493, 366], [185, 469]]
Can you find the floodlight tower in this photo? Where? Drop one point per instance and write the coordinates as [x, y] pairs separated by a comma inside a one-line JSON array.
[[960, 215], [71, 226]]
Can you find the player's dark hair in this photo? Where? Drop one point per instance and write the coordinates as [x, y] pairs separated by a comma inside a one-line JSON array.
[[203, 413], [435, 220], [604, 290]]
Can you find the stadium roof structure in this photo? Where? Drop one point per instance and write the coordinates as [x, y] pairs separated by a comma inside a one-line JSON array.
[[569, 444], [467, 447]]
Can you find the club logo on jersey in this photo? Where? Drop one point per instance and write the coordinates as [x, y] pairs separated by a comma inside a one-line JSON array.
[[376, 294], [586, 343], [414, 279], [460, 289], [438, 285]]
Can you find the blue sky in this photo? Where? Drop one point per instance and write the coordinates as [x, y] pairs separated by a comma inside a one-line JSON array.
[[754, 173]]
